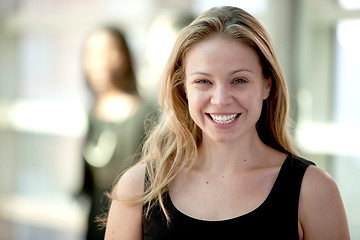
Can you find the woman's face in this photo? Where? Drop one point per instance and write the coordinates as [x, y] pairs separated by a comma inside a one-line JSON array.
[[101, 59], [225, 88]]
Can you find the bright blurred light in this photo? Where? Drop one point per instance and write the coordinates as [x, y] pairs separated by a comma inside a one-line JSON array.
[[335, 139], [60, 212], [347, 79], [45, 117], [350, 4], [348, 35], [160, 41]]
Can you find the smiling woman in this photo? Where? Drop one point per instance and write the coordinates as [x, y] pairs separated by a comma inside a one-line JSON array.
[[221, 161], [225, 87]]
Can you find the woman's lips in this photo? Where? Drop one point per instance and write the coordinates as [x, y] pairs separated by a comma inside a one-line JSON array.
[[223, 118]]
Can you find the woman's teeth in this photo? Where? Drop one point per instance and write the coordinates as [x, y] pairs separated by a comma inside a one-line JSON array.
[[223, 119]]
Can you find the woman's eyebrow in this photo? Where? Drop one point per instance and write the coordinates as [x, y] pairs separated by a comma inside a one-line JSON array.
[[241, 70], [200, 73], [231, 72]]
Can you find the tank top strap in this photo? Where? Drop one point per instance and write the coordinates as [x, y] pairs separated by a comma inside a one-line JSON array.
[[286, 190]]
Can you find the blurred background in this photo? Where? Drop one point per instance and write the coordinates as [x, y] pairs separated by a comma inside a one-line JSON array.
[[44, 99]]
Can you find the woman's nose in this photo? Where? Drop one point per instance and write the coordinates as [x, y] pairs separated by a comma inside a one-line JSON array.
[[221, 96]]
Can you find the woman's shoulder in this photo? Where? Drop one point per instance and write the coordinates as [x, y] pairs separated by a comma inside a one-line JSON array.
[[125, 214], [316, 178], [131, 183], [321, 210], [318, 187]]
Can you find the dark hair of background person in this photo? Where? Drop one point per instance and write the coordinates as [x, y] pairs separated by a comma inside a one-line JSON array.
[[124, 79]]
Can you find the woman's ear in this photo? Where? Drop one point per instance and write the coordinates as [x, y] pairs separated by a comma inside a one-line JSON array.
[[267, 87], [185, 91]]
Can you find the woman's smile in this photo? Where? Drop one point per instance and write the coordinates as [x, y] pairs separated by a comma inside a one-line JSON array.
[[223, 119]]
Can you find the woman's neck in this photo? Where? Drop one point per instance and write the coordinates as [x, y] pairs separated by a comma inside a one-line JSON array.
[[234, 156]]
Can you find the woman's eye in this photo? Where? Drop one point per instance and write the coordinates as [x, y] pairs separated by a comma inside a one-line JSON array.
[[239, 80], [202, 81]]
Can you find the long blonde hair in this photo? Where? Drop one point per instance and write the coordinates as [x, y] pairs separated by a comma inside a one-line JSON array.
[[172, 145]]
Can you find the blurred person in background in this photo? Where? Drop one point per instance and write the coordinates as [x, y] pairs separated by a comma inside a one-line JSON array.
[[116, 118]]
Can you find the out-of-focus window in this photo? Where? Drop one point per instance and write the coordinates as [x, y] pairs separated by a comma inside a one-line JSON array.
[[327, 80], [346, 106], [347, 81]]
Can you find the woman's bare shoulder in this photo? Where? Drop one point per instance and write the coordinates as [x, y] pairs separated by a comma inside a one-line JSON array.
[[321, 210], [131, 182], [316, 178], [124, 220]]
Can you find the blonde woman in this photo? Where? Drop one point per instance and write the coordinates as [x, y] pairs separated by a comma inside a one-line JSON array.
[[221, 164]]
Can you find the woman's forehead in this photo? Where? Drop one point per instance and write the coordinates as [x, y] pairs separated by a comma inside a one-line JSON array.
[[220, 51]]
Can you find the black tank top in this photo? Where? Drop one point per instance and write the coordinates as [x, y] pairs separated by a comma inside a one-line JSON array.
[[275, 218]]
